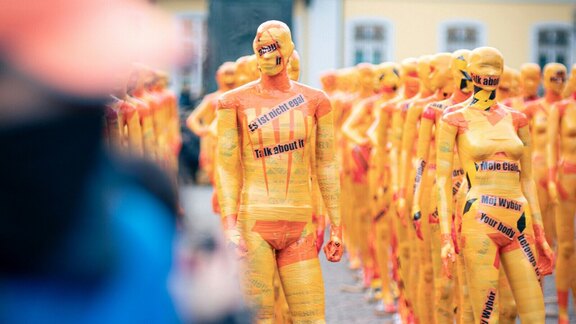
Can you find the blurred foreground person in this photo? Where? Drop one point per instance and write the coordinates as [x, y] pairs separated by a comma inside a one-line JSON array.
[[83, 238]]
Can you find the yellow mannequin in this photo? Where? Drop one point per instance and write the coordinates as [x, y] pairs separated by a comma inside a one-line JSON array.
[[537, 112], [425, 209], [264, 159], [140, 99], [129, 129], [561, 161], [501, 217], [506, 87], [294, 66], [529, 83], [328, 81], [437, 82], [243, 70], [570, 89], [389, 119], [202, 116]]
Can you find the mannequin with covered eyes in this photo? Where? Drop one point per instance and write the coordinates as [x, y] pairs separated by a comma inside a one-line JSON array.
[[264, 155], [537, 112], [501, 225], [561, 162], [529, 82]]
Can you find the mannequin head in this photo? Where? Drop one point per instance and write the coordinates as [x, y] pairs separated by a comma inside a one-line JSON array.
[[388, 77], [554, 78], [328, 81], [273, 46], [459, 68], [486, 65], [242, 70], [530, 77], [516, 83], [409, 75], [440, 73], [424, 72], [226, 76], [254, 73], [294, 66], [366, 76], [506, 84]]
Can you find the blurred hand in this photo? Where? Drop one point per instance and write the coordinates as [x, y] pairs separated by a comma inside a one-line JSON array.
[[545, 253], [448, 255], [334, 248]]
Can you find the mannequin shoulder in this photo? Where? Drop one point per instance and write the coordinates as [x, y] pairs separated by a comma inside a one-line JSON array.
[[518, 118]]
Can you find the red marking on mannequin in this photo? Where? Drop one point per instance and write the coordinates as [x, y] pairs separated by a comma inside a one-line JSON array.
[[429, 113], [496, 114], [519, 119], [301, 250], [279, 233], [276, 126], [289, 170], [457, 120]]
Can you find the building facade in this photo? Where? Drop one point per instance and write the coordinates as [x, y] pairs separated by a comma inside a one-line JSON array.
[[337, 33]]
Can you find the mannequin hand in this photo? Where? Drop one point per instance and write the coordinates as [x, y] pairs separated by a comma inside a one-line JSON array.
[[417, 222], [233, 238], [553, 192], [447, 254], [545, 253], [334, 248]]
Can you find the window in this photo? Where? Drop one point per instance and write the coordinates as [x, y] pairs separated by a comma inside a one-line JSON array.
[[188, 76], [369, 40], [455, 35], [553, 43]]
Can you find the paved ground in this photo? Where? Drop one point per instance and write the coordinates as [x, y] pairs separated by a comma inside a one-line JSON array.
[[341, 307]]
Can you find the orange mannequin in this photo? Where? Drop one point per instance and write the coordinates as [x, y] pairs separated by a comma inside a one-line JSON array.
[[561, 161], [537, 112], [126, 127], [137, 97], [529, 82], [506, 85], [328, 81], [391, 119], [202, 116], [264, 149], [501, 216], [570, 89], [424, 180]]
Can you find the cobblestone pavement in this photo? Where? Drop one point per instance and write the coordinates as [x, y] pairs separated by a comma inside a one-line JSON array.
[[344, 304]]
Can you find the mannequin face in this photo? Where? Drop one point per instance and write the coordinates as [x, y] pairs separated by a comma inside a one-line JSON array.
[[388, 76], [424, 71], [440, 71], [554, 77], [273, 46], [572, 80], [530, 78], [505, 85], [486, 66], [226, 75], [294, 66], [459, 67], [409, 74], [516, 83]]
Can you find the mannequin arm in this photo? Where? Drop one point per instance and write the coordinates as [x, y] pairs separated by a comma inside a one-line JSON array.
[[408, 135], [350, 127], [444, 164], [545, 254], [552, 151], [424, 142], [132, 120], [199, 119], [327, 176]]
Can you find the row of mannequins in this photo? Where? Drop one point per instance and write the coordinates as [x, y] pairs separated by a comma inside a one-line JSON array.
[[443, 177], [462, 177], [142, 119]]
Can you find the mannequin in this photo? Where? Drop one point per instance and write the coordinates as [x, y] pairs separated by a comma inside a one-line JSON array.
[[561, 162], [264, 171], [425, 209], [537, 112], [389, 116], [494, 144], [328, 81], [506, 86], [137, 97], [294, 66], [529, 82], [570, 89], [203, 115], [127, 128], [174, 137]]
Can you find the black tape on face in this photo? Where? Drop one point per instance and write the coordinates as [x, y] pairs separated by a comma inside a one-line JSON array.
[[278, 60], [268, 48]]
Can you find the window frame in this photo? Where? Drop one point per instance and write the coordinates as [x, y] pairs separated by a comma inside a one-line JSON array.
[[350, 44], [534, 47], [176, 82], [445, 25]]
